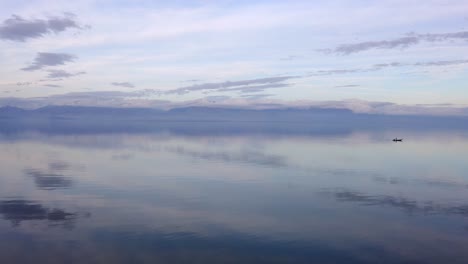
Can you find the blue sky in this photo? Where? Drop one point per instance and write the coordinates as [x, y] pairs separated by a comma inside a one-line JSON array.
[[241, 52]]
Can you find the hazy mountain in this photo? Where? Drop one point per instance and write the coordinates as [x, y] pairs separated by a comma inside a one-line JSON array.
[[193, 120], [186, 113]]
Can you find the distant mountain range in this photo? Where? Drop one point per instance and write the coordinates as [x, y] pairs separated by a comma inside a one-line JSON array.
[[318, 116], [81, 119], [186, 113]]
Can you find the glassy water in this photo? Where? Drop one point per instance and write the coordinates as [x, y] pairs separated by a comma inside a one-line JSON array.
[[203, 197]]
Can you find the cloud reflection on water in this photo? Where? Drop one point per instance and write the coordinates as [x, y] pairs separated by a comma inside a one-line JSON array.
[[17, 211], [252, 157], [49, 181], [408, 205], [439, 183]]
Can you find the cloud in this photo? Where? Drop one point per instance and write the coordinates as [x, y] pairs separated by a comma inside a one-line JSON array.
[[54, 74], [51, 80], [424, 64], [44, 59], [23, 83], [102, 95], [19, 29], [341, 71], [441, 63], [256, 96], [347, 86], [381, 66], [97, 98], [123, 84], [257, 88], [52, 85], [402, 42], [242, 86]]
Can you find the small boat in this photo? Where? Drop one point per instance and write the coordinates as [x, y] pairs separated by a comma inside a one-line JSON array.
[[397, 140]]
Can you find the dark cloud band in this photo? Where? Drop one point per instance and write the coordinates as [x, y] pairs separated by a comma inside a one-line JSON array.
[[382, 66], [402, 42], [55, 74], [44, 59], [243, 86]]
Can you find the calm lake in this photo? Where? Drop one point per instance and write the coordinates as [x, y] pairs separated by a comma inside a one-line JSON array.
[[228, 196]]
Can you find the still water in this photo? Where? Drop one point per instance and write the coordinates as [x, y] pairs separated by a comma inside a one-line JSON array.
[[163, 197]]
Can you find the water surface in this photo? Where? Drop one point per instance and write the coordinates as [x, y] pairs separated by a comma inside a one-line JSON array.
[[165, 197]]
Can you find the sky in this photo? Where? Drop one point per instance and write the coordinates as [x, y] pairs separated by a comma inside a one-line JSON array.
[[158, 53]]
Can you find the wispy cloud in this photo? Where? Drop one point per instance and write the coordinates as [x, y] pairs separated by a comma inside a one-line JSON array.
[[256, 96], [341, 71], [54, 74], [91, 98], [256, 88], [402, 42], [44, 59], [347, 86], [441, 63], [251, 85], [421, 64], [19, 29], [382, 66], [23, 83], [53, 85], [123, 84]]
